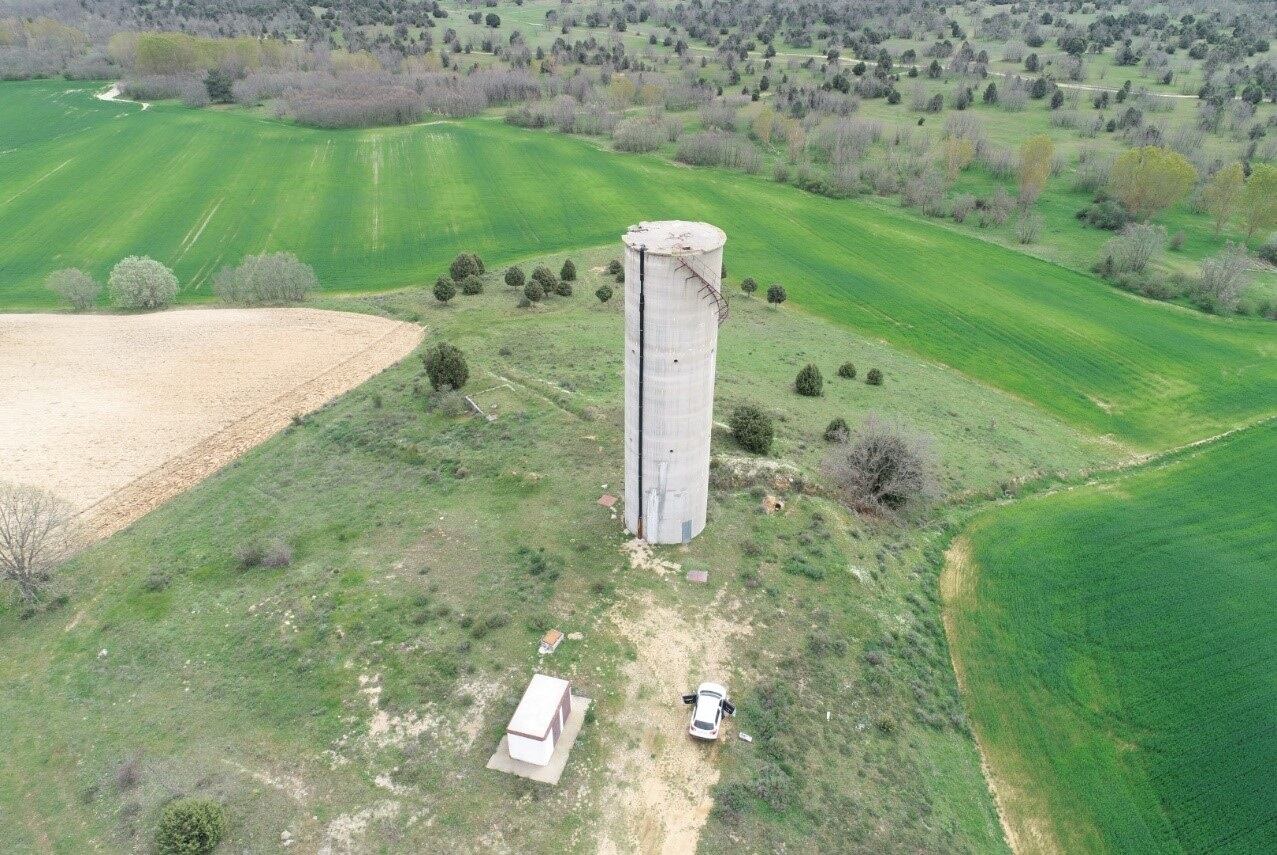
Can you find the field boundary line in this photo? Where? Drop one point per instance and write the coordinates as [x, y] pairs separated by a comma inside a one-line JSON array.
[[148, 491]]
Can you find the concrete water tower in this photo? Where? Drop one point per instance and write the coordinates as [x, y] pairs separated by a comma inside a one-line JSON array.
[[673, 307]]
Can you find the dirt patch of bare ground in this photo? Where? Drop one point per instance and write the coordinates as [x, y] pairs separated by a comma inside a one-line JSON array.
[[119, 413], [1022, 824], [660, 781]]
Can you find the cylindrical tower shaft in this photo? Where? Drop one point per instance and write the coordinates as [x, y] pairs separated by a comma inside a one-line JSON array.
[[673, 307]]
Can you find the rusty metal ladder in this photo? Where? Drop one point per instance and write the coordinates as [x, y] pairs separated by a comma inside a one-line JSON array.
[[708, 292]]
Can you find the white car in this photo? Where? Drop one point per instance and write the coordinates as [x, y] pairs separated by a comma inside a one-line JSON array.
[[709, 704]]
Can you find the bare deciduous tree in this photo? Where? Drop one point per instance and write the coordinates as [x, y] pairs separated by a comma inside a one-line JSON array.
[[35, 536], [883, 468], [1224, 277]]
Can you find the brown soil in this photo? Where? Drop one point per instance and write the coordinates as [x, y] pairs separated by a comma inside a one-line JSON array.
[[119, 413], [661, 780]]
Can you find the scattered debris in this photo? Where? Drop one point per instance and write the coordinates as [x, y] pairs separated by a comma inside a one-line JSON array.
[[641, 558], [744, 737], [772, 504], [478, 410], [551, 641], [575, 636], [607, 501], [701, 576]]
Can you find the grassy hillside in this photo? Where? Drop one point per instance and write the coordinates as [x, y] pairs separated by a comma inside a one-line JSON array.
[[410, 595], [381, 208], [1118, 644]]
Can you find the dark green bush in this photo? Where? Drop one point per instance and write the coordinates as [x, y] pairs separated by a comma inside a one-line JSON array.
[[838, 431], [568, 272], [472, 285], [446, 366], [776, 294], [465, 264], [190, 827], [545, 277], [752, 428], [615, 268], [445, 290], [604, 293], [874, 377], [847, 370], [563, 288], [809, 382], [533, 292], [514, 277], [748, 285]]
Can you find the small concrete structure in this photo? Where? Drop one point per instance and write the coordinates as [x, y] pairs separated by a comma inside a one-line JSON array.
[[673, 307], [542, 731]]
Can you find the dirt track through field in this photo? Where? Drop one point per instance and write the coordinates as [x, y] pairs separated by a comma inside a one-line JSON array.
[[119, 413]]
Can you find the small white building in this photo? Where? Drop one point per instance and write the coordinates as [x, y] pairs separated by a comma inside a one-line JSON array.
[[539, 719]]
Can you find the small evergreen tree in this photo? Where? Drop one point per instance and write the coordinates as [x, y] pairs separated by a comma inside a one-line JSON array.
[[748, 285], [446, 366], [533, 291], [218, 83], [465, 264], [874, 377], [190, 827], [563, 289], [752, 428], [776, 294], [444, 289], [837, 430], [568, 272], [545, 277], [514, 277], [847, 370], [615, 268], [472, 285], [604, 293], [809, 383]]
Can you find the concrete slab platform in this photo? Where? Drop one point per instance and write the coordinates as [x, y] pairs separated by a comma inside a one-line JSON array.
[[552, 771]]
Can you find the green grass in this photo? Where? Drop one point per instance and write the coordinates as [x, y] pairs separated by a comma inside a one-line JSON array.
[[404, 522], [381, 208], [1119, 643]]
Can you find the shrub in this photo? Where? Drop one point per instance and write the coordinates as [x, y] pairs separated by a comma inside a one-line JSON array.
[[1224, 278], [75, 286], [776, 294], [533, 292], [638, 134], [604, 293], [1177, 241], [514, 277], [568, 272], [883, 468], [1105, 214], [277, 554], [446, 366], [615, 268], [444, 289], [465, 264], [472, 285], [271, 277], [545, 277], [190, 827], [1028, 226], [809, 383], [837, 431], [1268, 250], [249, 555], [718, 148], [748, 285], [847, 370], [874, 377], [752, 428], [138, 282], [563, 289]]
